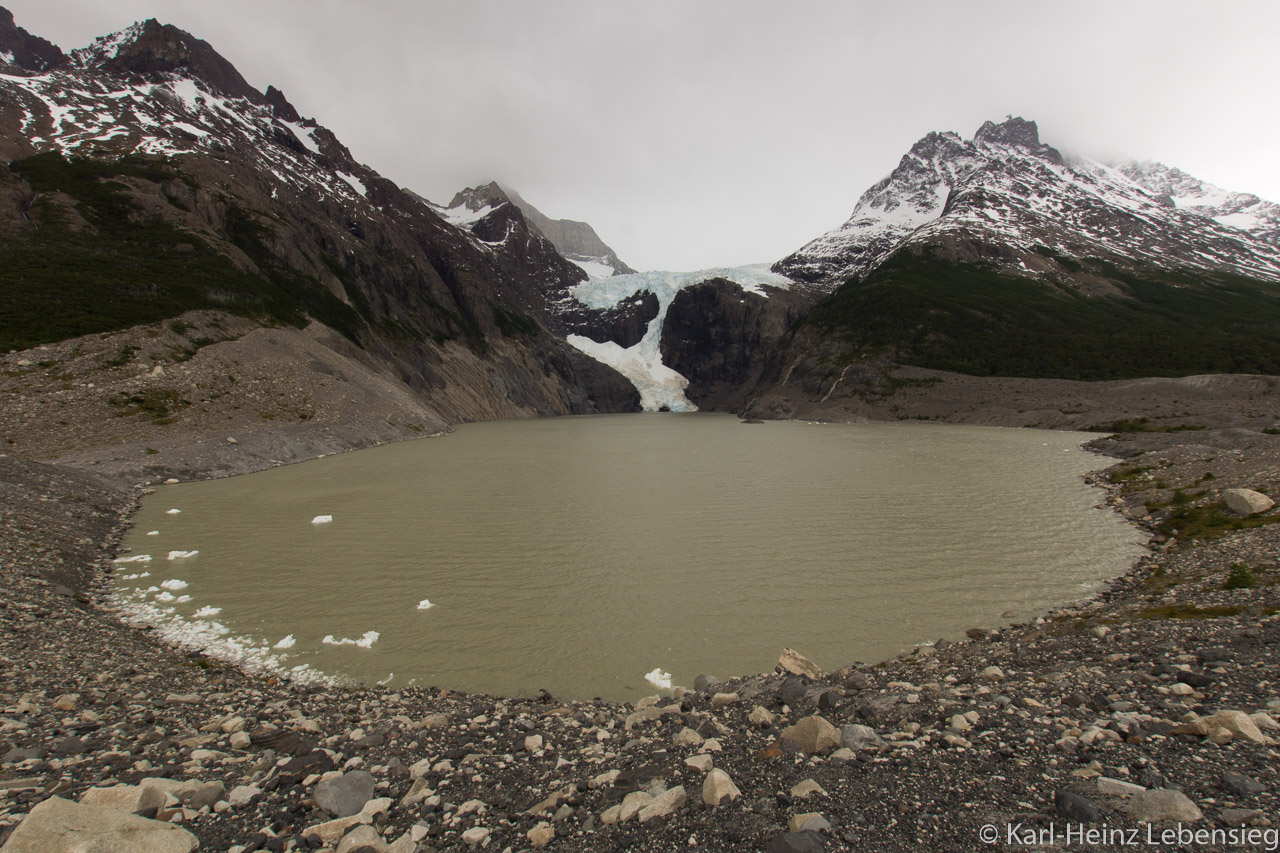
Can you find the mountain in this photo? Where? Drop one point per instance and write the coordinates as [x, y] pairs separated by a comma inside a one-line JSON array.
[[998, 256], [147, 178], [577, 241], [1005, 191]]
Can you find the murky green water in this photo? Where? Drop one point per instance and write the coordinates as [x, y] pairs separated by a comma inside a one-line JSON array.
[[578, 554]]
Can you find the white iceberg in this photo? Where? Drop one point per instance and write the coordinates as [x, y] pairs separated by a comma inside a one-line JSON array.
[[153, 532], [658, 678], [134, 558], [173, 585], [287, 643], [425, 604], [182, 555], [172, 511], [366, 640], [322, 519], [206, 611]]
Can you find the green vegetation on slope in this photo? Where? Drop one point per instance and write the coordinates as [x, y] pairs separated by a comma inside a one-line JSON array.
[[973, 318], [65, 279]]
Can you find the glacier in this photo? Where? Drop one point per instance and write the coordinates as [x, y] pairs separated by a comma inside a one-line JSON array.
[[660, 387]]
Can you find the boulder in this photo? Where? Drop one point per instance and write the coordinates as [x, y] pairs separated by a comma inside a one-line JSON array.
[[362, 838], [345, 795], [807, 788], [859, 737], [1118, 787], [1247, 501], [813, 735], [666, 804], [1073, 807], [760, 716], [718, 787], [57, 826], [632, 804], [1163, 804], [126, 799], [1241, 726], [797, 664]]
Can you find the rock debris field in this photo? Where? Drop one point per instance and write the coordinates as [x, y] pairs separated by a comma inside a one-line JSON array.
[[1153, 706]]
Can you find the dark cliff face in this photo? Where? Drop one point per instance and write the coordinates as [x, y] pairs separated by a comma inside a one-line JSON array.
[[725, 340], [31, 54], [625, 323]]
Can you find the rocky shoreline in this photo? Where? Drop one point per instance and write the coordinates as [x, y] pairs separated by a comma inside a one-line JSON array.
[[1150, 704]]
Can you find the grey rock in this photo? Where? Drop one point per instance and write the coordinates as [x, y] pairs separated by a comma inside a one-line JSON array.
[[796, 842], [704, 683], [345, 795], [207, 794], [792, 691], [1239, 817], [859, 737], [1240, 784], [1073, 807]]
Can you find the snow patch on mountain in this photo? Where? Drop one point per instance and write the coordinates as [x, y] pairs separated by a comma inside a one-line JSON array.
[[593, 267]]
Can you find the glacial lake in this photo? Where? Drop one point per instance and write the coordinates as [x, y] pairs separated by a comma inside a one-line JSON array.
[[581, 554]]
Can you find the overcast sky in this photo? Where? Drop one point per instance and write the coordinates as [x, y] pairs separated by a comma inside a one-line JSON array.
[[697, 133]]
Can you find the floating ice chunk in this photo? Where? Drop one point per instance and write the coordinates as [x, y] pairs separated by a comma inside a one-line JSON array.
[[287, 643], [322, 519], [153, 532], [658, 678], [425, 604], [384, 682], [165, 596], [183, 599], [174, 585], [366, 640], [172, 511], [206, 611], [133, 558], [181, 555]]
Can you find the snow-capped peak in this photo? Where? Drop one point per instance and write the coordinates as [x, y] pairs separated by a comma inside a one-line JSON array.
[[1006, 189]]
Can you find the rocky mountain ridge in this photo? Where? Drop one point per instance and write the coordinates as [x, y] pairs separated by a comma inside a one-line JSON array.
[[223, 198]]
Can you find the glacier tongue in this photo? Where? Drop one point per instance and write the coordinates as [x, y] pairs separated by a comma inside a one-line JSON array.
[[659, 386]]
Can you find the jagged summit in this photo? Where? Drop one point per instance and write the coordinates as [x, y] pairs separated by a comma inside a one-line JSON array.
[[150, 48], [1019, 132], [23, 53], [1004, 193]]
